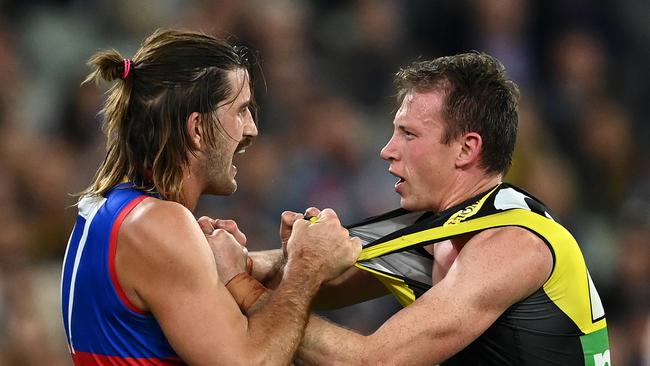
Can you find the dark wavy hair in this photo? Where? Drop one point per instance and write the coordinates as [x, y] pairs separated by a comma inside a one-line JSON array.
[[479, 97], [173, 74]]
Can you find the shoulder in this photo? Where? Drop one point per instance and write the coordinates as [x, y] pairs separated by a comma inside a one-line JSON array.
[[508, 263], [155, 217], [162, 251], [509, 241], [153, 209], [508, 234], [510, 247], [164, 228]]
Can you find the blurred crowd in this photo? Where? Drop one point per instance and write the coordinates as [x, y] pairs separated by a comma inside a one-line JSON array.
[[325, 97]]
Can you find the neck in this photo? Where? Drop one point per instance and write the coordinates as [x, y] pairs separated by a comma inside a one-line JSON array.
[[191, 191], [465, 189]]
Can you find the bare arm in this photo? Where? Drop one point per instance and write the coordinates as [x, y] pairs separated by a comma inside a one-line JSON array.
[[166, 266], [268, 266], [478, 288], [352, 287]]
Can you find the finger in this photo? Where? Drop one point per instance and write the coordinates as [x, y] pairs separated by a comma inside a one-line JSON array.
[[228, 225], [298, 225], [311, 212], [327, 214], [231, 227], [287, 220], [205, 223], [222, 234], [356, 241], [345, 231], [289, 217], [358, 245]]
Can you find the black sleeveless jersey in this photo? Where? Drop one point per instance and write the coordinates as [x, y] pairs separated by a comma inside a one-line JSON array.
[[562, 323]]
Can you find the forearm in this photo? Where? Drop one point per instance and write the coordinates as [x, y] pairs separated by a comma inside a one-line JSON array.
[[268, 266], [326, 343], [276, 322]]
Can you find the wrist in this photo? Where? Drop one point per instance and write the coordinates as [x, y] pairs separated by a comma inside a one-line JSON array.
[[303, 275], [246, 290], [249, 265]]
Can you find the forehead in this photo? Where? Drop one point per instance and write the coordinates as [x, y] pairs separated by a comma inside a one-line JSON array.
[[421, 107], [239, 85]]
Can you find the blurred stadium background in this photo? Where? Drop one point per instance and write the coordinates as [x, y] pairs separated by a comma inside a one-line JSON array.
[[326, 110]]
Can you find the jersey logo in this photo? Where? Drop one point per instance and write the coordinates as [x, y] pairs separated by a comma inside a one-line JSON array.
[[468, 211], [462, 214], [602, 359]]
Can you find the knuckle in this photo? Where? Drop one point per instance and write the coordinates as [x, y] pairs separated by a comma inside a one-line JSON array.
[[220, 233], [300, 224]]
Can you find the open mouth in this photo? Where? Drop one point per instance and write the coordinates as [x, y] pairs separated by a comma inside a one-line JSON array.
[[400, 179], [241, 148], [243, 145]]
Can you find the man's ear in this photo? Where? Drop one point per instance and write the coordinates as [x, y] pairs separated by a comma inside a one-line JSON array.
[[195, 130], [471, 147]]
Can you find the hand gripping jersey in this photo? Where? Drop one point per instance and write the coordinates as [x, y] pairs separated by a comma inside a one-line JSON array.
[[102, 326], [562, 323]]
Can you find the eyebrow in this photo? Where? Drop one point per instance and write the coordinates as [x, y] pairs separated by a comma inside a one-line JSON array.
[[246, 104], [402, 127]]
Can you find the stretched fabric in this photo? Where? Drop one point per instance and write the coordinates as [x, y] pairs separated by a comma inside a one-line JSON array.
[[565, 315]]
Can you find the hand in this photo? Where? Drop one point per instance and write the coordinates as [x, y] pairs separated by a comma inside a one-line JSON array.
[[287, 220], [230, 256], [324, 246], [209, 225]]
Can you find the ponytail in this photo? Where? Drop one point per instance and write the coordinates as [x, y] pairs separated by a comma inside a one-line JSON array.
[[173, 74], [108, 66]]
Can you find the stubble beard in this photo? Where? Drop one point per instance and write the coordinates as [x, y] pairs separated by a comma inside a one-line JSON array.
[[217, 168]]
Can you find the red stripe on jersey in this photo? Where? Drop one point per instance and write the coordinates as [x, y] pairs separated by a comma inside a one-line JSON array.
[[92, 359], [111, 255]]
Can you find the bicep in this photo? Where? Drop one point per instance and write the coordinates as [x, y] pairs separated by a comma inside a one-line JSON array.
[[493, 271], [176, 278]]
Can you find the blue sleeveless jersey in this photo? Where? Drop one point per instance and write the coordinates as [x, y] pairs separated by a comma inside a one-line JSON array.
[[102, 326]]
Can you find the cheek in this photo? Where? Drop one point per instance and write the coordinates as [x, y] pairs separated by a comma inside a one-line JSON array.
[[422, 161], [238, 129], [231, 126], [429, 166]]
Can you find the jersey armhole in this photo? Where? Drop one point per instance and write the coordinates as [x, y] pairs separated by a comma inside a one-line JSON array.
[[548, 245], [117, 286]]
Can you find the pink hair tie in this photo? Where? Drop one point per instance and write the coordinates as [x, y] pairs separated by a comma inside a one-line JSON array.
[[127, 68]]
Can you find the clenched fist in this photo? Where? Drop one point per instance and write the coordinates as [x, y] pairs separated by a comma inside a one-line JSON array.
[[323, 247]]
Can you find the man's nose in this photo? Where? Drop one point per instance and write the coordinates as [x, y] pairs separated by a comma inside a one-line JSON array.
[[388, 151], [250, 129]]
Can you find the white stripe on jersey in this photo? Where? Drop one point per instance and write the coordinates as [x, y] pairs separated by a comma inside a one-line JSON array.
[[88, 207]]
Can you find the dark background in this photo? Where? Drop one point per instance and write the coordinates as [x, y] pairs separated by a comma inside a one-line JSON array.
[[326, 105]]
